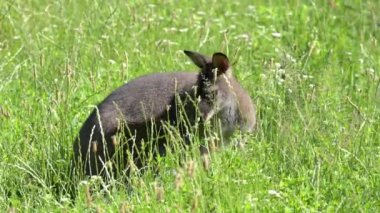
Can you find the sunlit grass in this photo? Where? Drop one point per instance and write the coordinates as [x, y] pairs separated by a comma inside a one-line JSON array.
[[312, 67]]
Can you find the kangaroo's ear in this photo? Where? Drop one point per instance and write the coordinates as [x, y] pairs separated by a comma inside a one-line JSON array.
[[220, 61], [199, 59]]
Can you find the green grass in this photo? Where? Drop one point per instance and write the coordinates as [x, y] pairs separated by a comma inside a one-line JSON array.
[[316, 86]]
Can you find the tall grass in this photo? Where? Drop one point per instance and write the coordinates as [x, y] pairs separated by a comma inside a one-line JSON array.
[[312, 67]]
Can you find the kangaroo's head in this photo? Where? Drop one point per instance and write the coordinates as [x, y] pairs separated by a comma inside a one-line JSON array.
[[221, 94]]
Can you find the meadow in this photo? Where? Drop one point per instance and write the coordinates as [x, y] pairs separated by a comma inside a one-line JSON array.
[[312, 68]]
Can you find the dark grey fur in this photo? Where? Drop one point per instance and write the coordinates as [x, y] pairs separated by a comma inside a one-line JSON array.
[[151, 99]]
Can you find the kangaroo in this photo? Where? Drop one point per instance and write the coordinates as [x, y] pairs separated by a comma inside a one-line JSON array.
[[144, 105]]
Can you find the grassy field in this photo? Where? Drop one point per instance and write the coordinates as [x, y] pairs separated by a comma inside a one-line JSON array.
[[312, 67]]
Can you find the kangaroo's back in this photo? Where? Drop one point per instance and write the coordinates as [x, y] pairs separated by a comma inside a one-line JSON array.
[[150, 98]]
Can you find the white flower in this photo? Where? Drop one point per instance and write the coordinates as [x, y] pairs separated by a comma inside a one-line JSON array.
[[274, 193], [276, 35]]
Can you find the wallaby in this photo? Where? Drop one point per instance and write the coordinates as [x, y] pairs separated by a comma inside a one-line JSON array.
[[146, 104]]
